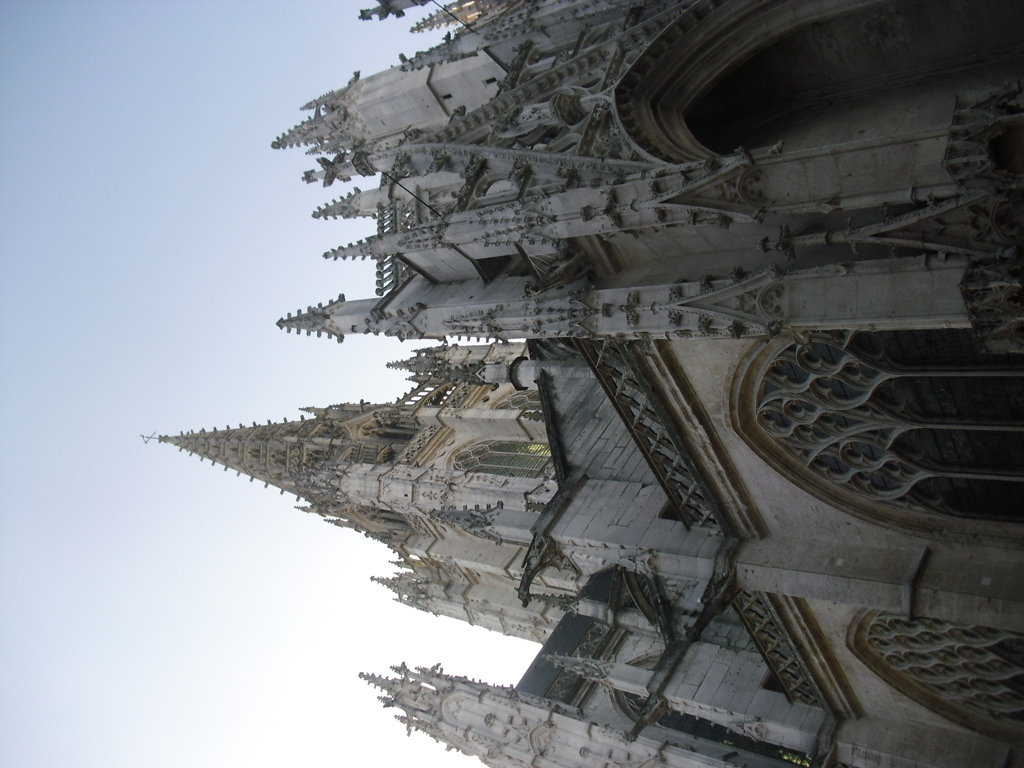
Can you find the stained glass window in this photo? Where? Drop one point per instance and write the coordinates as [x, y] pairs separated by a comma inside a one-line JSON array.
[[506, 458]]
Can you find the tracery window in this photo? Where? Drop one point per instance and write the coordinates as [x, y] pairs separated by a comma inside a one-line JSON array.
[[919, 420], [528, 400], [498, 457], [972, 675]]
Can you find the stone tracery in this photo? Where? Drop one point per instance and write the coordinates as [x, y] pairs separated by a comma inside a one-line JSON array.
[[973, 675], [897, 419]]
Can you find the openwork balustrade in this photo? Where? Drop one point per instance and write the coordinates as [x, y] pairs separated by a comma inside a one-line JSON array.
[[772, 640], [653, 431]]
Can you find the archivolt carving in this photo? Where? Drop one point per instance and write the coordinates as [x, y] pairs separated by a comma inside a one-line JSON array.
[[706, 40], [969, 674]]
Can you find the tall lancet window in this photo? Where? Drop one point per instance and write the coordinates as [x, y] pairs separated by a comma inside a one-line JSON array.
[[918, 420], [498, 457]]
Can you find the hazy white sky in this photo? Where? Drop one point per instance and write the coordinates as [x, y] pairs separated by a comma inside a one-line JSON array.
[[152, 612]]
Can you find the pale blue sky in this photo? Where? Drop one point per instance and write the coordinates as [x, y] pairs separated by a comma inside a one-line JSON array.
[[154, 612]]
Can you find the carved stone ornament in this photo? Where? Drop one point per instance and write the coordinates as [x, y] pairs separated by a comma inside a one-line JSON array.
[[476, 522], [362, 164], [333, 169], [994, 294], [985, 138], [589, 669]]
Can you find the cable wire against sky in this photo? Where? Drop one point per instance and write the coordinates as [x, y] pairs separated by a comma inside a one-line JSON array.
[[396, 181], [453, 16]]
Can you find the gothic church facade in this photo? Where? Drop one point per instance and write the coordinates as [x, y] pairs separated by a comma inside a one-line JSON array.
[[743, 444]]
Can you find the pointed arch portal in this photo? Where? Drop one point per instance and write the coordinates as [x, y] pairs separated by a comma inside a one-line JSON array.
[[754, 74]]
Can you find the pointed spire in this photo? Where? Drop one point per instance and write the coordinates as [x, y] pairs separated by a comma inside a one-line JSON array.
[[281, 454], [361, 249], [335, 319], [425, 363], [346, 207], [314, 319], [435, 363], [409, 590], [326, 128], [386, 684], [331, 97], [292, 455], [318, 131], [418, 692], [421, 688]]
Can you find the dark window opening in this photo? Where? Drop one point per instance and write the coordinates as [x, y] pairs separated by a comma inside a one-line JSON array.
[[771, 683], [492, 267], [670, 512], [802, 80]]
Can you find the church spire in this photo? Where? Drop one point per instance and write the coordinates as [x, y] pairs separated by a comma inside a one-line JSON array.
[[446, 363], [280, 454], [327, 128], [502, 726], [409, 589], [289, 454]]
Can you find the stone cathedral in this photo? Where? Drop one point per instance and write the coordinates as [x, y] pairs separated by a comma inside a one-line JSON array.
[[738, 432]]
